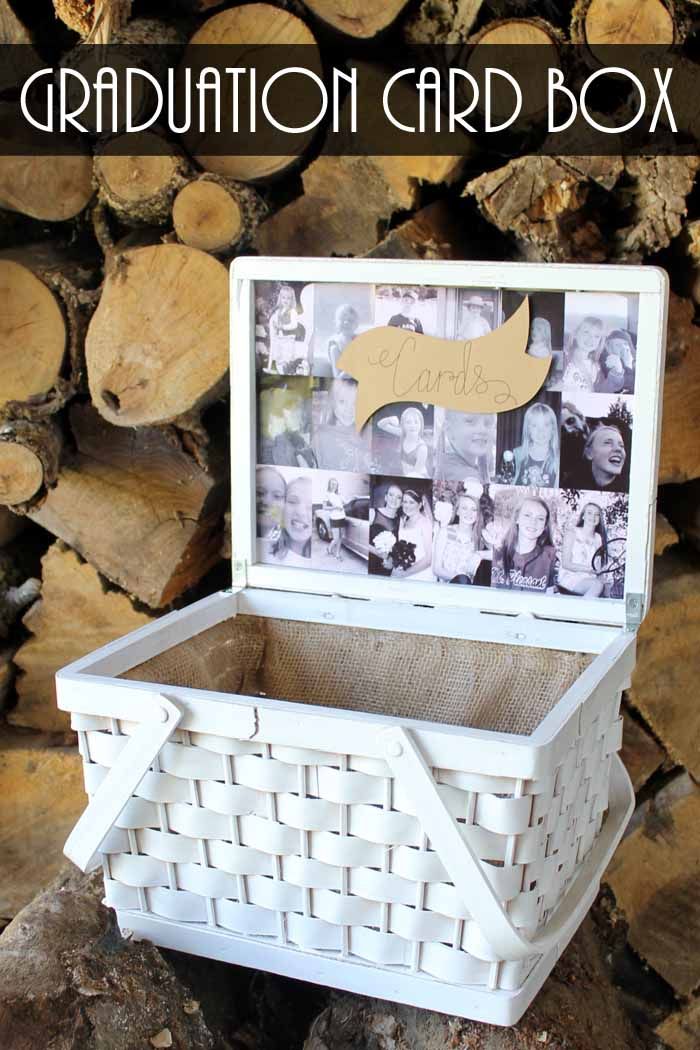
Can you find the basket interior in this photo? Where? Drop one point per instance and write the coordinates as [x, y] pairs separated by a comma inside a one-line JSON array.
[[481, 685]]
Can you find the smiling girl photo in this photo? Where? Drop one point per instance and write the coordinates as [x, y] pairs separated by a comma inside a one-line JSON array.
[[524, 556]]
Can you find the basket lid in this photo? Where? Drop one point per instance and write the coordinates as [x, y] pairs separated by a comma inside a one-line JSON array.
[[547, 508]]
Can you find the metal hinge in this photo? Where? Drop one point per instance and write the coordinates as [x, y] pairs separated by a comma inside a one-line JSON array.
[[634, 611], [239, 570]]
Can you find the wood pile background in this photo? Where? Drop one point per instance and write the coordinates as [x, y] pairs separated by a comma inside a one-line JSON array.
[[113, 389]]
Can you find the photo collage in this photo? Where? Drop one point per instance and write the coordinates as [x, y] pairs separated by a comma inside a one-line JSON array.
[[532, 499]]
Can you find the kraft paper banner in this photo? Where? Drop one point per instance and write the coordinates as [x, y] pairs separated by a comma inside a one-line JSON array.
[[490, 374]]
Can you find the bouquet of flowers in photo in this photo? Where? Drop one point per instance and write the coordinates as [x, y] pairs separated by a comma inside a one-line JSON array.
[[400, 553], [403, 554], [384, 543]]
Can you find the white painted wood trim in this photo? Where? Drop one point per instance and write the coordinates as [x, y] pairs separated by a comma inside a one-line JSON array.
[[153, 638], [545, 276], [306, 726], [652, 285], [479, 1004], [446, 621], [88, 686]]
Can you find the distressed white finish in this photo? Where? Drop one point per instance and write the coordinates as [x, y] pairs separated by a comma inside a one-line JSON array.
[[430, 864]]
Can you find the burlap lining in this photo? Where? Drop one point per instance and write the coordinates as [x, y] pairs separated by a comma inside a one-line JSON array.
[[481, 685]]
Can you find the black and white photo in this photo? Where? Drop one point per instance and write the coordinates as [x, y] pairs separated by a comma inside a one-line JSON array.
[[523, 537], [284, 421], [461, 553], [593, 543], [336, 442], [284, 327], [546, 338], [340, 540], [478, 313], [600, 340], [465, 445], [528, 443], [533, 499], [596, 441], [402, 439], [283, 516], [404, 549], [419, 309], [341, 312]]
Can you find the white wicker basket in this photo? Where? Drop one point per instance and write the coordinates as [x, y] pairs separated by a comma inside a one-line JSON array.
[[432, 863]]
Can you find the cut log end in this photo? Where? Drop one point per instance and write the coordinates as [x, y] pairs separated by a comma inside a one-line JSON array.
[[516, 32], [49, 188], [32, 334], [600, 23], [207, 216], [239, 28], [21, 474], [139, 186], [361, 19], [157, 345], [30, 453]]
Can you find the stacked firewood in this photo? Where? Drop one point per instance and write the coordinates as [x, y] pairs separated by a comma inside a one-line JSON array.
[[113, 388]]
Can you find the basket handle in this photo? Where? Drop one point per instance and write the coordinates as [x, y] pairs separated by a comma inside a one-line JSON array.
[[121, 781], [465, 869]]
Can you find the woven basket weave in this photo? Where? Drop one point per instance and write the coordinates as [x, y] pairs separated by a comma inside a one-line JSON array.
[[322, 851]]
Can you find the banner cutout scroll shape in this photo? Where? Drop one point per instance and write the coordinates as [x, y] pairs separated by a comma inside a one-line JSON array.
[[493, 373]]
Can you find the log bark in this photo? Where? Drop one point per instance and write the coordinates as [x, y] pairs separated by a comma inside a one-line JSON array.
[[540, 200], [690, 238], [241, 27], [41, 796], [654, 876], [157, 345], [545, 202], [141, 186], [664, 683], [49, 296], [75, 615], [361, 19], [216, 214], [348, 203], [442, 22], [79, 15], [680, 436], [137, 507], [67, 975], [432, 233], [655, 193], [29, 458]]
